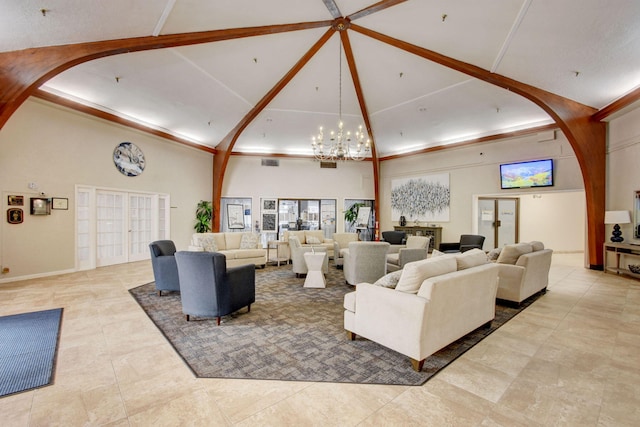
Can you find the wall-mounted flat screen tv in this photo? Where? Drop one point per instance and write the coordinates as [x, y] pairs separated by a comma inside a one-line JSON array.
[[536, 173]]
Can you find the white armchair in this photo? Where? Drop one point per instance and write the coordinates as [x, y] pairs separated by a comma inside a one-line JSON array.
[[341, 243], [365, 262], [522, 274], [297, 256], [416, 248]]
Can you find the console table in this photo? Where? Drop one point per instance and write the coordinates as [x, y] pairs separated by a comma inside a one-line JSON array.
[[621, 255], [434, 232]]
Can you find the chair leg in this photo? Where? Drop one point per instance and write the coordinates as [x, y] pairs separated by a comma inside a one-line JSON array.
[[186, 316], [159, 293], [249, 308], [351, 335], [218, 320], [417, 364]]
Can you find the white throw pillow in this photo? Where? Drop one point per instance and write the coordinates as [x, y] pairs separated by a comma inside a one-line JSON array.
[[249, 241], [313, 240], [390, 280], [494, 253], [414, 273], [208, 244], [511, 253], [536, 245], [471, 258], [436, 253]]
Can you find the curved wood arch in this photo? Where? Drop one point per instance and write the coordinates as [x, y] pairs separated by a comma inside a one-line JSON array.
[[586, 135]]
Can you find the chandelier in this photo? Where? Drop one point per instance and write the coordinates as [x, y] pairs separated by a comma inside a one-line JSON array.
[[342, 145]]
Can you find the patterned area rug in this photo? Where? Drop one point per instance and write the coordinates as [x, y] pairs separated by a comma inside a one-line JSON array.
[[292, 333], [28, 346]]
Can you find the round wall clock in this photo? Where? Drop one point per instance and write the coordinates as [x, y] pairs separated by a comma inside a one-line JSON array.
[[129, 159]]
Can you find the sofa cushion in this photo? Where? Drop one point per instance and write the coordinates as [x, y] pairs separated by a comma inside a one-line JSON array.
[[299, 234], [414, 273], [389, 280], [510, 253], [471, 258], [312, 240], [536, 245], [244, 253], [249, 241], [318, 234], [494, 253], [208, 244]]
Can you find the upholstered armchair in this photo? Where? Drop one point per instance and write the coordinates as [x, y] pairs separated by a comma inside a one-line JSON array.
[[209, 289], [416, 248], [298, 263], [467, 242], [341, 243], [365, 262], [163, 262]]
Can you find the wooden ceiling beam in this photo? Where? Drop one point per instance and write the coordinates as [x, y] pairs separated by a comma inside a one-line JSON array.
[[225, 147], [586, 136], [618, 105]]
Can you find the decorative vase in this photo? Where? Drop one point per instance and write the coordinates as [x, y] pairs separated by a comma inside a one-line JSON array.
[[403, 221]]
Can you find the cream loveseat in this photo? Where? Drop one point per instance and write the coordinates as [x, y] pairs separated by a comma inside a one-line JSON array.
[[309, 238], [239, 248], [524, 270], [435, 302]]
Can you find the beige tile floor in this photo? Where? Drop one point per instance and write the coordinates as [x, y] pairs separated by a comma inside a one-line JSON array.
[[572, 358]]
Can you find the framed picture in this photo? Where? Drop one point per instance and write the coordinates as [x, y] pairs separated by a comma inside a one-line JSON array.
[[235, 216], [363, 217], [59, 203], [15, 200], [40, 206], [269, 222], [15, 216], [269, 205]]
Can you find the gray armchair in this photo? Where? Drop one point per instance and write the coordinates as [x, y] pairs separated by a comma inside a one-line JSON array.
[[365, 262], [209, 289], [163, 262], [416, 249], [467, 242], [299, 265]]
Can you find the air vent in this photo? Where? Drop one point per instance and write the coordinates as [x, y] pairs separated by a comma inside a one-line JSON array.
[[328, 165], [271, 162]]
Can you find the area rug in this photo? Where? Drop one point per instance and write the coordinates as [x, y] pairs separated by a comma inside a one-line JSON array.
[[292, 333], [28, 347]]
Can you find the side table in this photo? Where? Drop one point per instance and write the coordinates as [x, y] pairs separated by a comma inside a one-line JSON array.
[[276, 244], [315, 276]]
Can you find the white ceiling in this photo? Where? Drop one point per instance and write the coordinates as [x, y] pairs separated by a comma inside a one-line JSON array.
[[585, 50]]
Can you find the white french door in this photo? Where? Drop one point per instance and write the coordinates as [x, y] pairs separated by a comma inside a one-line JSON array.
[[115, 227]]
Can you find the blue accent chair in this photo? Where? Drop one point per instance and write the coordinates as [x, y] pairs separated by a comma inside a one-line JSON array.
[[165, 269], [209, 289]]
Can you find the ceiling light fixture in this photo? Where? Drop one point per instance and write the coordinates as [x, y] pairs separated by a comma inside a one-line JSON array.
[[340, 145]]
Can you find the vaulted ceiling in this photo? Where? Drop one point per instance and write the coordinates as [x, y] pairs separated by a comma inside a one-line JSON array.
[[584, 50]]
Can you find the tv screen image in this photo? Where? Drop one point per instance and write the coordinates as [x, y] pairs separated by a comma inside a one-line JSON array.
[[536, 173]]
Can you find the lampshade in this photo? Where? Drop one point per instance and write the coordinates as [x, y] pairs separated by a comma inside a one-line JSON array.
[[617, 217]]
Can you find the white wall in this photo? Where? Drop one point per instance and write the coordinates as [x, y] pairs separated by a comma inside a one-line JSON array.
[[623, 173], [474, 171], [58, 148]]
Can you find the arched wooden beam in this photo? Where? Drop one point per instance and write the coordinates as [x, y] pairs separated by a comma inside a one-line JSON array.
[[353, 69], [225, 147], [23, 71], [586, 136]]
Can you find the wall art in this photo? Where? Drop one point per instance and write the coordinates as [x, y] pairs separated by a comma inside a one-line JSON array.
[[423, 198]]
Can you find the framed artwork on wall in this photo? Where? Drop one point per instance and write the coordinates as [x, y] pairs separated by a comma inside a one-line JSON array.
[[59, 203], [15, 200], [40, 206], [15, 216], [422, 198], [235, 216]]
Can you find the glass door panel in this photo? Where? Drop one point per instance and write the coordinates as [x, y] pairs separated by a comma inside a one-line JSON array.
[[111, 228], [498, 221], [140, 226]]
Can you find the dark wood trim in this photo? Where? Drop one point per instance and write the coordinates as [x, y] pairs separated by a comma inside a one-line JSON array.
[[618, 105], [488, 138], [377, 7], [586, 136], [225, 147], [47, 96]]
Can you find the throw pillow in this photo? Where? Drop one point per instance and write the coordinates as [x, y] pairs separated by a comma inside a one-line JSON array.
[[208, 244], [436, 253], [493, 254], [313, 240], [511, 253], [414, 273], [249, 241], [390, 280], [536, 245], [471, 258]]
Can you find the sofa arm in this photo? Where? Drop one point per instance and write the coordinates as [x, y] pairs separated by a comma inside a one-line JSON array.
[[510, 282], [392, 318]]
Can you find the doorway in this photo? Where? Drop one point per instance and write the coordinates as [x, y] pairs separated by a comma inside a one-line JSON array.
[[498, 220]]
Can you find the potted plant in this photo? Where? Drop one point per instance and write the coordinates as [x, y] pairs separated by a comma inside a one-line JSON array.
[[351, 214], [204, 216]]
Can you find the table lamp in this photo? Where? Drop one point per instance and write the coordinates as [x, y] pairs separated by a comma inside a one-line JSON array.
[[617, 218]]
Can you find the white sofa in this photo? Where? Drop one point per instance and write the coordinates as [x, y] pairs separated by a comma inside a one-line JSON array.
[[239, 248], [310, 238], [435, 302], [524, 271]]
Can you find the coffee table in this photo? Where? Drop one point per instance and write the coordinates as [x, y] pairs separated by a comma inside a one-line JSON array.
[[315, 276]]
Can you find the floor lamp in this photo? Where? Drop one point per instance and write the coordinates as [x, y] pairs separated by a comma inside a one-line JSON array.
[[617, 218]]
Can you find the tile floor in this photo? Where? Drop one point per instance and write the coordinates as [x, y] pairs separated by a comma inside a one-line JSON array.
[[572, 358]]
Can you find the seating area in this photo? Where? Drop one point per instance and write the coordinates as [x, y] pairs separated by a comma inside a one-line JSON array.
[[239, 248], [415, 249]]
